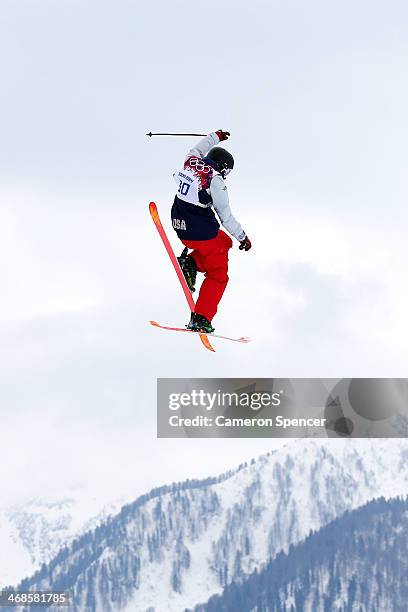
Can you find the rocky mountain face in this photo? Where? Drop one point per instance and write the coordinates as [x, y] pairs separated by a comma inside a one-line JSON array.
[[179, 545], [358, 562]]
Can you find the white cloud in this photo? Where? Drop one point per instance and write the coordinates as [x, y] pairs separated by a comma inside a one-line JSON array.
[[316, 102]]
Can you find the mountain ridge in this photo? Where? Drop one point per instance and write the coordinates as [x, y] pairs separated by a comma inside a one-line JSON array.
[[182, 543], [328, 572]]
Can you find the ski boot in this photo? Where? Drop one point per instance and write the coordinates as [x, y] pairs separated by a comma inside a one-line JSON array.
[[189, 268], [198, 323]]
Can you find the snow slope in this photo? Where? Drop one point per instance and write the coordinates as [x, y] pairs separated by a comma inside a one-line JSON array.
[[33, 531], [357, 562]]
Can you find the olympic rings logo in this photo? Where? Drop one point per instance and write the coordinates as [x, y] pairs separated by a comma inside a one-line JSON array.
[[199, 165]]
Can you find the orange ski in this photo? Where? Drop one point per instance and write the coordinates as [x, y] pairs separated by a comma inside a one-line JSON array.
[[243, 339], [156, 219]]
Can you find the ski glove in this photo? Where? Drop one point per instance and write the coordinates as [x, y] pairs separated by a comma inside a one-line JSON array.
[[245, 244], [222, 135]]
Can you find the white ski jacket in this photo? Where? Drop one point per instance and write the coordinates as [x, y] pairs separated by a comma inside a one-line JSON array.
[[217, 188]]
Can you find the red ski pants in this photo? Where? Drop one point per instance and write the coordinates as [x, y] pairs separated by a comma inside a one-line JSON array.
[[211, 257]]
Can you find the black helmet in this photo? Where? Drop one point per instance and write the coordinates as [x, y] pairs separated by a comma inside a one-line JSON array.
[[223, 160]]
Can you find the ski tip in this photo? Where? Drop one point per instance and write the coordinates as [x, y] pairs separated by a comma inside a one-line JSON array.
[[204, 339], [154, 323], [154, 212], [244, 339]]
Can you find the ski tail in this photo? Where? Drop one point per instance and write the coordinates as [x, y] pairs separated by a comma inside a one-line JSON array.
[[156, 219]]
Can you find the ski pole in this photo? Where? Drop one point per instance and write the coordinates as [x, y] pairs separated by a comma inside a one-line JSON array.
[[170, 134]]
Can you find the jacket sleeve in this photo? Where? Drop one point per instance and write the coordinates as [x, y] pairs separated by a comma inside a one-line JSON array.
[[204, 145], [219, 194]]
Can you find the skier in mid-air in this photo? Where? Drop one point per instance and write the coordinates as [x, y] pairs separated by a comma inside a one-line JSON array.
[[201, 187]]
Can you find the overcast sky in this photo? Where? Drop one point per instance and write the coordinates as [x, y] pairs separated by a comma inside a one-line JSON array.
[[315, 96]]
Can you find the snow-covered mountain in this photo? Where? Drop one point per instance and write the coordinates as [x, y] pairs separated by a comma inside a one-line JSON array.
[[33, 531], [357, 562], [178, 545]]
